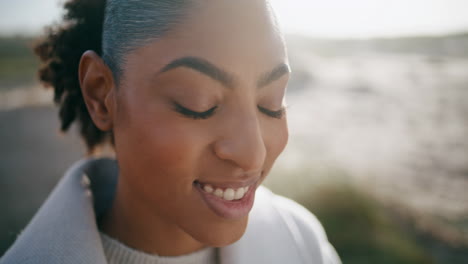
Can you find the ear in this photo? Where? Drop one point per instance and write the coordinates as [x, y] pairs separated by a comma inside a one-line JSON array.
[[98, 89]]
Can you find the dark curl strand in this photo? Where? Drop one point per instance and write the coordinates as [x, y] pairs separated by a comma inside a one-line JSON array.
[[60, 52]]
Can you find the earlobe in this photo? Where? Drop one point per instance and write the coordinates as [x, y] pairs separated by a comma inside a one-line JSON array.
[[97, 87]]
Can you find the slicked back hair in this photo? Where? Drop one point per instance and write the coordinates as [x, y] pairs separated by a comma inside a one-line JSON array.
[[130, 24]]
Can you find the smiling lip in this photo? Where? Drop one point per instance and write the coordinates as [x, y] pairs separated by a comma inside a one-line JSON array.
[[229, 209]]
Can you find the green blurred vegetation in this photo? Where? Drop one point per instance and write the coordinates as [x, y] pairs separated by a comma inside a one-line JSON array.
[[361, 230], [18, 65], [453, 45]]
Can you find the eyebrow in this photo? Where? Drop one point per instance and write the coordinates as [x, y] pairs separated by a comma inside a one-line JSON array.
[[273, 75], [218, 74], [204, 67]]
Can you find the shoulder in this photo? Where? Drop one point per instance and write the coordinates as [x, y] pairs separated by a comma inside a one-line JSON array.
[[297, 216], [280, 231], [64, 228], [300, 226]]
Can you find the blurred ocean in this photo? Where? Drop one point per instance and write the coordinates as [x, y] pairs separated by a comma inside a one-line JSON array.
[[397, 122], [391, 115]]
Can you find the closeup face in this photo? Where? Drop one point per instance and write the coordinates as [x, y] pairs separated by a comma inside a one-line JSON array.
[[200, 118]]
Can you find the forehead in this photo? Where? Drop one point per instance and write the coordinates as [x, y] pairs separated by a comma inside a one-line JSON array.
[[236, 35]]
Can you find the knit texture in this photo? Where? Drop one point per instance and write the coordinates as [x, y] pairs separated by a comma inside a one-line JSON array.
[[118, 253], [65, 229]]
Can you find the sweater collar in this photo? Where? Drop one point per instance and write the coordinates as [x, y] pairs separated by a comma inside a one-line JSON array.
[[65, 226]]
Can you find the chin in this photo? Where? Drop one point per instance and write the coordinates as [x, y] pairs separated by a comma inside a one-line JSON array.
[[221, 235]]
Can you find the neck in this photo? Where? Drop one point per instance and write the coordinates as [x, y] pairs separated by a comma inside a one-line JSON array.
[[135, 224]]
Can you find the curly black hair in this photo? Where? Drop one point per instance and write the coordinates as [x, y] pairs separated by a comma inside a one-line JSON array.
[[111, 28], [60, 52]]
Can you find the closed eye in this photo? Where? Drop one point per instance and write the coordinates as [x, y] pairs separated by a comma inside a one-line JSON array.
[[272, 113], [194, 114]]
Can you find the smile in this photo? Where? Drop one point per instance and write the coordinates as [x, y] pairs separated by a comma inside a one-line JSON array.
[[231, 201], [227, 194]]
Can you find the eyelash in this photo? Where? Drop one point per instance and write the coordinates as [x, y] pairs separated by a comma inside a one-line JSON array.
[[275, 114], [193, 114], [207, 114]]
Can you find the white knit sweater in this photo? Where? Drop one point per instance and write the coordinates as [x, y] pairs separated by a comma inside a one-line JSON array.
[[64, 230], [118, 253]]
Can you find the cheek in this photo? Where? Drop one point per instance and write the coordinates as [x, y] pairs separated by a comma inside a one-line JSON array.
[[276, 137], [159, 163], [155, 150]]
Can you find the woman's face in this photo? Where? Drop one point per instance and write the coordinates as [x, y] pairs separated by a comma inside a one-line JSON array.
[[200, 120]]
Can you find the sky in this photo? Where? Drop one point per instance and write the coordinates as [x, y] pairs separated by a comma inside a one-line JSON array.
[[315, 18]]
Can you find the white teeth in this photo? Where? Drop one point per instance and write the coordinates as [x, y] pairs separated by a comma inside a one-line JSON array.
[[239, 194], [229, 194], [219, 193], [208, 188]]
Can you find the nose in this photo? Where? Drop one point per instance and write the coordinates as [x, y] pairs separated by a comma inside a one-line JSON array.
[[242, 143]]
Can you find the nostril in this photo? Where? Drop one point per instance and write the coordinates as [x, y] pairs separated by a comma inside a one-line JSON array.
[[247, 156]]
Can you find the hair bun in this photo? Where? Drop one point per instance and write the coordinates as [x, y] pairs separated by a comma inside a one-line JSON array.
[[60, 51]]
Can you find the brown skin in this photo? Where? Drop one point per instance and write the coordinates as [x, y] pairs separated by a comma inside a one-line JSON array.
[[161, 152]]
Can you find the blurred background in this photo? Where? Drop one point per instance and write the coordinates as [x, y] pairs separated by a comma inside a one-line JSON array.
[[378, 116]]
